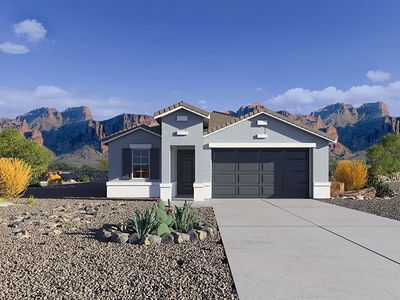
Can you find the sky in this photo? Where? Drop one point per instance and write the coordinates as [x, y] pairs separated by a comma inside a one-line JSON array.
[[140, 56]]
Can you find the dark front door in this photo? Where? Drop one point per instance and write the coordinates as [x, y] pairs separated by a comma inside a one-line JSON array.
[[266, 173], [185, 172]]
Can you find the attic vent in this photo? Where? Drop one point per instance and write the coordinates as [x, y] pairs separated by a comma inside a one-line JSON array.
[[182, 118], [262, 123]]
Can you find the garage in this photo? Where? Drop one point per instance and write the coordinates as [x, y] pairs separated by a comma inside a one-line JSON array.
[[255, 173]]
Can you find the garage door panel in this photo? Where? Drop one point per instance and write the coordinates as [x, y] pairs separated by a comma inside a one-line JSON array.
[[225, 167], [275, 173], [225, 178], [225, 191], [248, 190], [248, 178]]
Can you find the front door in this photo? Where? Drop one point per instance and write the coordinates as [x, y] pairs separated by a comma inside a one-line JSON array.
[[185, 172]]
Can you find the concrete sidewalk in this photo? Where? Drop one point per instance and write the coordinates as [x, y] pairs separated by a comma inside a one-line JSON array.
[[307, 249]]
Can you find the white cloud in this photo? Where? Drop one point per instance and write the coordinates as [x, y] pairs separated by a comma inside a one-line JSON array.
[[18, 101], [302, 100], [378, 75], [11, 48], [33, 30], [259, 89], [202, 103]]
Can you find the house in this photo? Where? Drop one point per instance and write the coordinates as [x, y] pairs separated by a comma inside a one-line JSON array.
[[193, 153]]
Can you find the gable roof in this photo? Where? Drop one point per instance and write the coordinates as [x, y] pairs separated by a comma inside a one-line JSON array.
[[234, 120], [151, 129], [181, 105]]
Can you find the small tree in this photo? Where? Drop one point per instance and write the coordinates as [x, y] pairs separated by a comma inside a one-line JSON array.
[[15, 175], [14, 145], [384, 158], [353, 173]]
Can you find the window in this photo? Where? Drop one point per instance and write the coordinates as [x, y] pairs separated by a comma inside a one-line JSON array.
[[141, 163]]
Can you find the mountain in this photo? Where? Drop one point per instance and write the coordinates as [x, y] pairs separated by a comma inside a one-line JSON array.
[[73, 136]]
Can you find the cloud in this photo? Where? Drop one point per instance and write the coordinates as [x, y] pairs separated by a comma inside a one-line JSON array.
[[18, 101], [378, 75], [11, 48], [33, 30], [302, 100], [202, 103], [259, 89]]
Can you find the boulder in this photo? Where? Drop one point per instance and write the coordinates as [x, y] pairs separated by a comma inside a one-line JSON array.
[[119, 237], [367, 193], [134, 238], [337, 189], [202, 235], [208, 230], [154, 239], [103, 235], [167, 238], [145, 241], [194, 236], [178, 239]]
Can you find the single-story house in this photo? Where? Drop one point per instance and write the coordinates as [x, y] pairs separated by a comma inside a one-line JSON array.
[[193, 153]]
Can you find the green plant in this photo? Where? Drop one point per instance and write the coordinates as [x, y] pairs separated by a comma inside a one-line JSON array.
[[353, 173], [85, 178], [3, 199], [15, 175], [164, 220], [31, 200], [185, 218], [382, 188], [384, 159], [14, 145], [143, 222], [103, 165]]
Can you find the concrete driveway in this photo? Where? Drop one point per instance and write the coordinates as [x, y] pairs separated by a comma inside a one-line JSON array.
[[307, 249]]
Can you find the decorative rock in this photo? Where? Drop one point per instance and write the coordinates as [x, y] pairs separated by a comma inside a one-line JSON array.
[[145, 241], [337, 188], [5, 204], [208, 230], [134, 238], [154, 239], [194, 236], [367, 193], [119, 237], [202, 235], [167, 238], [16, 224], [185, 237], [103, 235], [177, 237], [56, 232], [22, 234]]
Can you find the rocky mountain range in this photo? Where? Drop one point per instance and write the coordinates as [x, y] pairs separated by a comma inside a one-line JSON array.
[[74, 137]]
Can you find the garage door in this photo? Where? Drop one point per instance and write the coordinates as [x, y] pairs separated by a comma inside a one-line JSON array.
[[266, 173]]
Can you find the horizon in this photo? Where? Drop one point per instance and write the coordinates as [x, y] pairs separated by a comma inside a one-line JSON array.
[[133, 57]]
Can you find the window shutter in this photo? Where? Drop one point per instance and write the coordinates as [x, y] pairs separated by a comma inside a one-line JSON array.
[[154, 163], [126, 163]]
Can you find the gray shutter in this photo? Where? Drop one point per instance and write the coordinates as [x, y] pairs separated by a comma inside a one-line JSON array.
[[154, 163], [126, 163]]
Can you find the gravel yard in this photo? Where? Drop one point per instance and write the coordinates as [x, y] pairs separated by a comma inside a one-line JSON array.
[[389, 208], [58, 258]]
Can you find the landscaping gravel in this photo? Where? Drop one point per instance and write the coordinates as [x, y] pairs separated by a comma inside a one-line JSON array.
[[51, 253], [389, 208]]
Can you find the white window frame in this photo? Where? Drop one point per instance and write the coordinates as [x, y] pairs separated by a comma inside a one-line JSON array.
[[133, 164]]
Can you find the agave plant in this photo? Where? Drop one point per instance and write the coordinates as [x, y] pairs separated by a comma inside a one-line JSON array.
[[143, 222], [186, 219]]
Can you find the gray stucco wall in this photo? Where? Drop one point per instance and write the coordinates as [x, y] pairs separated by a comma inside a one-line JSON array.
[[115, 149], [170, 126], [278, 132]]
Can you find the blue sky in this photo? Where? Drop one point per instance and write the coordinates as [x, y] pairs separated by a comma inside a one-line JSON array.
[[139, 56]]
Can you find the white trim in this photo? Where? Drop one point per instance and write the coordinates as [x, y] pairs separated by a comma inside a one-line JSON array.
[[277, 118], [132, 189], [128, 132], [262, 136], [262, 122], [178, 108], [131, 182], [140, 146], [262, 145], [182, 133], [321, 190]]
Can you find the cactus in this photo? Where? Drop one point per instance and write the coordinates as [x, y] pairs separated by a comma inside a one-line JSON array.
[[164, 220]]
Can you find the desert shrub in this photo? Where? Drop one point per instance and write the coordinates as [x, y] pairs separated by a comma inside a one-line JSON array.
[[61, 166], [15, 175], [85, 178], [353, 173], [384, 158], [31, 200], [14, 145], [185, 218], [103, 165], [382, 188], [54, 179]]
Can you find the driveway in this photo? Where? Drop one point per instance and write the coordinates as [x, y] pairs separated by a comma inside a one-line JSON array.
[[307, 249]]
